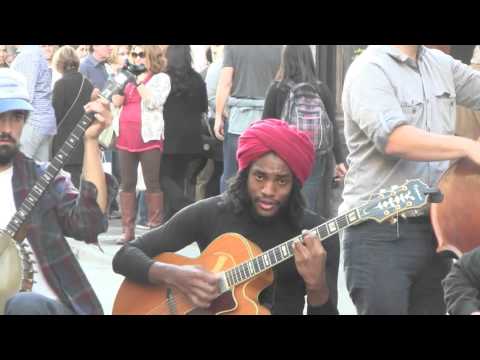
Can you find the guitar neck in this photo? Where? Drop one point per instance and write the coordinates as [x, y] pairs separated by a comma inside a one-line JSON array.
[[284, 251], [47, 178]]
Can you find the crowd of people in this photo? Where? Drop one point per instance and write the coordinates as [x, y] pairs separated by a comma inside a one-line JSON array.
[[251, 146]]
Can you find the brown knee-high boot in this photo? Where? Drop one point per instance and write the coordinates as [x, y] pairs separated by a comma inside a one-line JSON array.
[[128, 207], [154, 209]]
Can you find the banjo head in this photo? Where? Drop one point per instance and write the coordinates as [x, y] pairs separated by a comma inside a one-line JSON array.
[[11, 268]]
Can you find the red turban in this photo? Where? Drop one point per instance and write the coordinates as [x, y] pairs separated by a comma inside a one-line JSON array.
[[272, 135]]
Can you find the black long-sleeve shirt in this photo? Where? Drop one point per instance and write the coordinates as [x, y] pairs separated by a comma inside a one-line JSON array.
[[277, 96], [462, 285], [204, 221]]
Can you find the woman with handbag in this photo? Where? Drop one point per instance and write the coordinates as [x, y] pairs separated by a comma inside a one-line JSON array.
[[140, 138], [70, 93]]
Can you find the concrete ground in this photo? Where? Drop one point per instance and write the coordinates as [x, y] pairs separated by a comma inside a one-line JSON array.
[[98, 268]]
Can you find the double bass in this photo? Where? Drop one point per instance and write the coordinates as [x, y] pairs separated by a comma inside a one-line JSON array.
[[456, 220]]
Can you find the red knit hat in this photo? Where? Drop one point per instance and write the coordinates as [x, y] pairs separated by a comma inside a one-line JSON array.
[[273, 135]]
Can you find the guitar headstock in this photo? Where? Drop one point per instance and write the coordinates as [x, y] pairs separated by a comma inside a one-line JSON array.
[[413, 194]]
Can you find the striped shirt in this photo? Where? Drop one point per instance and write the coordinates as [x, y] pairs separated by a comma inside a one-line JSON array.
[[33, 65]]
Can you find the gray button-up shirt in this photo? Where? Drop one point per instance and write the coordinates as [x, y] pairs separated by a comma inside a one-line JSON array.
[[385, 89]]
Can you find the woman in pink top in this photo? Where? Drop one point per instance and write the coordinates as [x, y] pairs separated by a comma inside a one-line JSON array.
[[141, 129]]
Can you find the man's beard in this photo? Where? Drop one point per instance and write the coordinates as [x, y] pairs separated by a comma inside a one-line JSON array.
[[8, 152]]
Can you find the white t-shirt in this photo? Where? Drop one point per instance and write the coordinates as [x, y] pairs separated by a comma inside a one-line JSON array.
[[8, 210]]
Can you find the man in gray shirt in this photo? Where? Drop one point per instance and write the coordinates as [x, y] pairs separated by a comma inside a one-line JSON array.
[[399, 103], [247, 73]]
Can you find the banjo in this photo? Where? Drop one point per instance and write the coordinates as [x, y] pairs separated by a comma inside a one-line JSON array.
[[16, 265]]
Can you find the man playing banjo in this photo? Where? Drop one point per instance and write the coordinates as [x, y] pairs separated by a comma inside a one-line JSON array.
[[60, 286]]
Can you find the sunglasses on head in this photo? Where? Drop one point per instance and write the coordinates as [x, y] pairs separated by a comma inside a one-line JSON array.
[[141, 55]]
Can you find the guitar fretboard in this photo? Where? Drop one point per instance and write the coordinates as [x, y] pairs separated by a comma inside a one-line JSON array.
[[52, 170], [284, 251]]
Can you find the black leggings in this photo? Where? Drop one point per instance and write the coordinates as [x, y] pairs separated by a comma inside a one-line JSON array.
[[150, 161]]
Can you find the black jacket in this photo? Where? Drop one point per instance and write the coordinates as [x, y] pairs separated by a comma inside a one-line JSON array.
[[182, 115], [64, 94]]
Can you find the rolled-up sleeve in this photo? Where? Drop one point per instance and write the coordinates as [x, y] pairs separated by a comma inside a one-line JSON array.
[[467, 85], [374, 106]]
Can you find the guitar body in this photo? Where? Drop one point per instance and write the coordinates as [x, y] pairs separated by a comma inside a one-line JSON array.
[[225, 252]]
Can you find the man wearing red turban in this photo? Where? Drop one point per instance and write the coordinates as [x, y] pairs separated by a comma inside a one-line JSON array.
[[264, 204], [272, 135]]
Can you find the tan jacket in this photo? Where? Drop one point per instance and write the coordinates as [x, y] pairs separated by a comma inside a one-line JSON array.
[[468, 121]]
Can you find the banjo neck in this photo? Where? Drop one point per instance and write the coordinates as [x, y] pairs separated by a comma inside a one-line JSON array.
[[13, 228], [113, 86]]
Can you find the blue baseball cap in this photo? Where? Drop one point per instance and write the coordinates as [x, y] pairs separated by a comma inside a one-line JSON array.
[[13, 91]]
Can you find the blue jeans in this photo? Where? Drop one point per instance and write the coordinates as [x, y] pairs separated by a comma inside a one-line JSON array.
[[35, 304], [390, 274], [230, 166], [312, 187]]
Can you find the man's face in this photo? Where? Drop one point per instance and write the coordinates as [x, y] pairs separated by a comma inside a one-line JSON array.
[[82, 51], [123, 54], [11, 125], [3, 54], [270, 183], [48, 51], [102, 52]]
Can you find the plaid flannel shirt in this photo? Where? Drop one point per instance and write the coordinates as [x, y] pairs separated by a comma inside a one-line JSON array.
[[62, 211]]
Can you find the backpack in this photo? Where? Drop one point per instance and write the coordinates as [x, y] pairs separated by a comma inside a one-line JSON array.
[[304, 109]]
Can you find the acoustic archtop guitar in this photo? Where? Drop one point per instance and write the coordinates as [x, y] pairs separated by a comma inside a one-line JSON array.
[[245, 270]]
